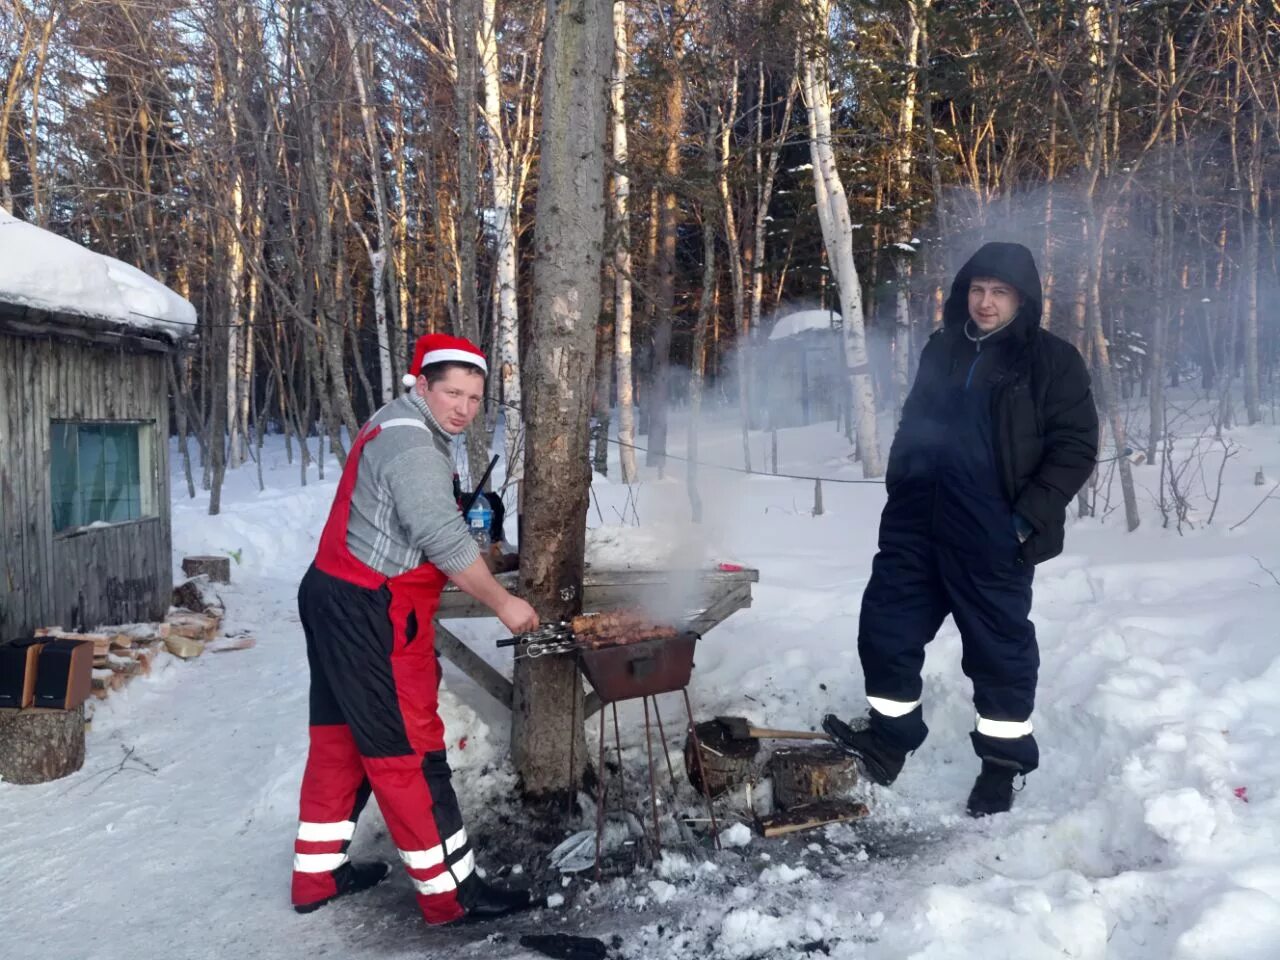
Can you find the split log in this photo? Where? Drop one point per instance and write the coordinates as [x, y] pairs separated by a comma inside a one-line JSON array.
[[194, 626], [124, 666], [217, 569], [802, 775], [37, 746], [184, 647], [144, 657], [198, 594], [811, 816], [133, 633]]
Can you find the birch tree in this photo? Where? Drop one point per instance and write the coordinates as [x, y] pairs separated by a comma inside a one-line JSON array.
[[501, 161], [837, 234], [378, 253], [622, 247]]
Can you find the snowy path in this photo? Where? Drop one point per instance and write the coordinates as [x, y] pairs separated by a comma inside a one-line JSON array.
[[1159, 699]]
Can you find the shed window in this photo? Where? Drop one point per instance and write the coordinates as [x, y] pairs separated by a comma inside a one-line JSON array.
[[101, 472]]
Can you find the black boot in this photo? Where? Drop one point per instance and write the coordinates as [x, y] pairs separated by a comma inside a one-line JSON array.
[[880, 761], [993, 790], [351, 878], [485, 902]]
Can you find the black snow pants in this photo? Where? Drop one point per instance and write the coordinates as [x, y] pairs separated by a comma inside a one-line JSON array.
[[948, 545]]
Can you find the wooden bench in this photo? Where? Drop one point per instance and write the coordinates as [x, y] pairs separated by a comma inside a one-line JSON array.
[[720, 593]]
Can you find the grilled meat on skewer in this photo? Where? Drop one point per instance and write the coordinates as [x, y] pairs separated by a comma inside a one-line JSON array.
[[593, 631]]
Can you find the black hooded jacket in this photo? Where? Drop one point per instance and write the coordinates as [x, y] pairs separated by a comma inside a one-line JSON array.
[[1042, 429]]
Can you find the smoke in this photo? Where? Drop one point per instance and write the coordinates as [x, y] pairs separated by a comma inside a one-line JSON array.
[[661, 562]]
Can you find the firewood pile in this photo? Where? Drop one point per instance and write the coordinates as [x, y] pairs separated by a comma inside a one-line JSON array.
[[191, 627]]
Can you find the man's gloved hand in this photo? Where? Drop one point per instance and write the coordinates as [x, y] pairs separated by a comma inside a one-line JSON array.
[[1022, 528]]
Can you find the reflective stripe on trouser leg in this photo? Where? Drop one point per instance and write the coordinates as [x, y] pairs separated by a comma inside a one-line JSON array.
[[892, 708], [429, 834], [334, 791], [992, 609], [1003, 729], [453, 848], [902, 608]]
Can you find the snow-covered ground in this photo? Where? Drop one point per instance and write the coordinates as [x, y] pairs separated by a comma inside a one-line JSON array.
[[1152, 830]]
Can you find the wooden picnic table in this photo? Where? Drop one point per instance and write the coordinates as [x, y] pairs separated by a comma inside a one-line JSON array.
[[720, 594]]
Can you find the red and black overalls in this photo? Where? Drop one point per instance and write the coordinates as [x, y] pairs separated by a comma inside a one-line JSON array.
[[375, 723]]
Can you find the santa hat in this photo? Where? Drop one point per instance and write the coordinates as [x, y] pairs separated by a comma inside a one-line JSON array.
[[442, 348]]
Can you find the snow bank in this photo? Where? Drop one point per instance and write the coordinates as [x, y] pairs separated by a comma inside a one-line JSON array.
[[40, 269]]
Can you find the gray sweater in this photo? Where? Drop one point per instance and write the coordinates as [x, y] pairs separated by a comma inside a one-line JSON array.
[[402, 510]]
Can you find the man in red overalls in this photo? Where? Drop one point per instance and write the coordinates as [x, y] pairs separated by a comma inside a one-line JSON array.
[[393, 539]]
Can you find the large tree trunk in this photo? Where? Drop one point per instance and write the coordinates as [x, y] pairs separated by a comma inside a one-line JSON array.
[[622, 249], [837, 236], [559, 369]]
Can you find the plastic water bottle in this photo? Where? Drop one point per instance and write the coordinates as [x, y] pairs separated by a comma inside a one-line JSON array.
[[480, 521]]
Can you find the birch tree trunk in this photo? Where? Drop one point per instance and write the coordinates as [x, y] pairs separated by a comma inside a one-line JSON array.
[[500, 169], [902, 351], [837, 237], [568, 247], [226, 89], [378, 255], [235, 438], [622, 248]]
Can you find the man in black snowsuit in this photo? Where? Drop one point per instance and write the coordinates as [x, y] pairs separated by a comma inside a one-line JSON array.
[[998, 434]]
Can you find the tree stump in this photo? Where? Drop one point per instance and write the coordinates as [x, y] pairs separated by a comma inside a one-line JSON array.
[[37, 746], [217, 569], [802, 775], [726, 762]]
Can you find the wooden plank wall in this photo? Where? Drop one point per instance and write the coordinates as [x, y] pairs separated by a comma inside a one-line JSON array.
[[118, 574]]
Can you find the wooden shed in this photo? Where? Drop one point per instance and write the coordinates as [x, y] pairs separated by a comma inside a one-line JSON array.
[[85, 340]]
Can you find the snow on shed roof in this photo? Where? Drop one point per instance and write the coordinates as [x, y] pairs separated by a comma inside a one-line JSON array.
[[803, 321], [42, 270]]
